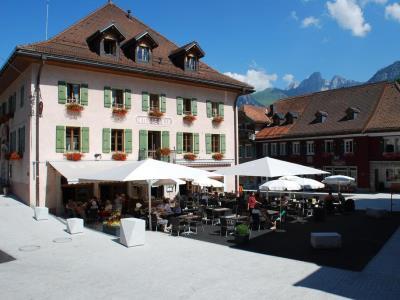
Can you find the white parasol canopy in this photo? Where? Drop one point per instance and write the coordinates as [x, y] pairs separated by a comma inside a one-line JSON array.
[[339, 180], [280, 185], [269, 167], [305, 183], [172, 181], [206, 182]]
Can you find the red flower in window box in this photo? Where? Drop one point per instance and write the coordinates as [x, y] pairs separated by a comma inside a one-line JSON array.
[[391, 155], [15, 156], [119, 156], [218, 156], [218, 119], [74, 156], [74, 107], [189, 118], [164, 151], [190, 156], [156, 113], [119, 111]]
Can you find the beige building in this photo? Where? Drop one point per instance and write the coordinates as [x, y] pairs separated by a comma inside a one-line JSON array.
[[110, 88]]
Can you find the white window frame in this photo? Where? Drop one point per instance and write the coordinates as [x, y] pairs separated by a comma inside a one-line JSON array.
[[310, 148], [332, 147], [274, 149], [393, 140], [296, 148], [347, 149], [282, 149]]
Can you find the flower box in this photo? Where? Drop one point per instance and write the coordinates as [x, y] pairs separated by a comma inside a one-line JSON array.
[[190, 156], [218, 156], [74, 107], [189, 118], [391, 155], [15, 156], [119, 156], [74, 156], [164, 151], [111, 229], [218, 119], [119, 111], [156, 113]]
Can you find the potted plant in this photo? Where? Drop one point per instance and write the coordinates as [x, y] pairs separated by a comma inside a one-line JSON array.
[[119, 156], [242, 233], [74, 156], [189, 156], [74, 107], [189, 118], [119, 112], [15, 156], [218, 156], [164, 151], [113, 224], [156, 113], [218, 119]]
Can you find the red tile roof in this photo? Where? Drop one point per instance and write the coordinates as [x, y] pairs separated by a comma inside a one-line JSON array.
[[257, 114], [72, 44]]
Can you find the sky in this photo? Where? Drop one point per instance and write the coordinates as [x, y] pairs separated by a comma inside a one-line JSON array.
[[267, 43]]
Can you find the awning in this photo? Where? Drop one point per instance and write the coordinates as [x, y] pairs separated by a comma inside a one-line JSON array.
[[73, 170]]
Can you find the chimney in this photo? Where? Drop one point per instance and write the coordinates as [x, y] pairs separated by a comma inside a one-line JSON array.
[[271, 110], [129, 13]]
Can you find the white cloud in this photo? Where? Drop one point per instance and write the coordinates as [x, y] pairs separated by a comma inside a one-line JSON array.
[[349, 15], [259, 79], [310, 21], [290, 80], [293, 15], [393, 12], [365, 2]]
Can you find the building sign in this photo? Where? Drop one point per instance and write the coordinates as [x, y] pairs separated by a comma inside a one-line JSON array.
[[145, 120]]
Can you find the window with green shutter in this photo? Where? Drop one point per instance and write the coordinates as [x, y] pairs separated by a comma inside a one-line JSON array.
[[208, 143], [107, 97], [209, 109], [62, 92], [194, 106], [85, 139], [143, 144], [165, 139], [145, 101], [163, 101], [196, 143], [128, 96], [179, 105], [60, 139], [179, 142], [221, 109], [128, 140], [222, 143], [106, 140], [84, 94]]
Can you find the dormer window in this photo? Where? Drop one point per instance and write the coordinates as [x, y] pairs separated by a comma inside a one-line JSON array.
[[352, 113], [191, 63], [110, 47], [140, 47], [291, 117], [321, 117], [278, 119], [187, 57], [142, 54]]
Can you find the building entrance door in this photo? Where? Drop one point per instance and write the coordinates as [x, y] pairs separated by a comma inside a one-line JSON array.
[[154, 143]]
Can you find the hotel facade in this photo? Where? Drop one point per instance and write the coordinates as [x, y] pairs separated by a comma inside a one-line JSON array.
[[110, 88]]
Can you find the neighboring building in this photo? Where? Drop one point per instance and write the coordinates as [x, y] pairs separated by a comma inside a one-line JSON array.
[[251, 120], [350, 131], [110, 84]]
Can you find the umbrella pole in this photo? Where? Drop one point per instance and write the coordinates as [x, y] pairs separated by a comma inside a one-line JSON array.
[[149, 196]]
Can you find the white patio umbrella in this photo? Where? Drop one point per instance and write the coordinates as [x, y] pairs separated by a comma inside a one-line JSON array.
[[269, 167], [150, 170], [174, 181], [206, 182], [280, 185], [338, 180], [305, 183]]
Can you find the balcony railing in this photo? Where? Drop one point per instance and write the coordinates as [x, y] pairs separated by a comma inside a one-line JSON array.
[[155, 154]]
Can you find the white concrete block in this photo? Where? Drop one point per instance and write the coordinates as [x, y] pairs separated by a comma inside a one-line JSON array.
[[74, 225], [375, 213], [326, 240], [41, 213], [132, 232]]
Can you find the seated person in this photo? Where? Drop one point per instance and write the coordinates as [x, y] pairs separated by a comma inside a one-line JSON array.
[[138, 212], [161, 221], [70, 209]]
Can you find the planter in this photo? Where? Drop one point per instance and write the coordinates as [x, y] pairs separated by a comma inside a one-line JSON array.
[[132, 232], [5, 190], [41, 213], [113, 230], [15, 156], [218, 156], [164, 151], [74, 225], [189, 156], [119, 112], [240, 239], [74, 107], [156, 113], [218, 120], [189, 119], [119, 156], [74, 156]]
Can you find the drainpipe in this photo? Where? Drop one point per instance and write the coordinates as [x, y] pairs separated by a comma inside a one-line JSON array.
[[235, 109], [37, 92]]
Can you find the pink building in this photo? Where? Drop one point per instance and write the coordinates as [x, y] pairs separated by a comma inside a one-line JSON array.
[[110, 87]]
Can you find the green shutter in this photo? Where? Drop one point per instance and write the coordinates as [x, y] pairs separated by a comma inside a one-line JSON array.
[[106, 140], [165, 139], [128, 99], [179, 142], [84, 94], [128, 140], [208, 143], [62, 92], [179, 105], [196, 141], [145, 101], [222, 143], [107, 96], [194, 107], [143, 144], [221, 109], [60, 139], [85, 139], [209, 109], [163, 105]]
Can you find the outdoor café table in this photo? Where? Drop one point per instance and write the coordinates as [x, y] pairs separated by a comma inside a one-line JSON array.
[[272, 212], [237, 219], [187, 219]]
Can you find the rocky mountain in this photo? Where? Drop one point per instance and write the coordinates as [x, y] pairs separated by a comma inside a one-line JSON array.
[[391, 72], [248, 99]]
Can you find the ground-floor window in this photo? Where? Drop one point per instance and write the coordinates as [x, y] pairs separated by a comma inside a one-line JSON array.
[[393, 174]]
